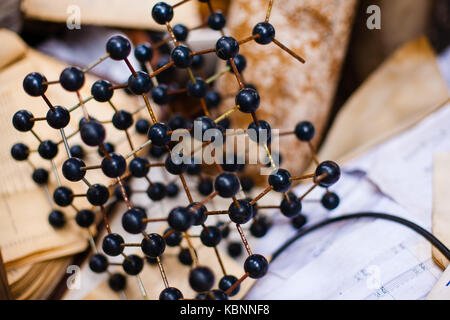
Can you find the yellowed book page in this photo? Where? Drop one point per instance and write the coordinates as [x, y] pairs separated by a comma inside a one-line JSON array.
[[24, 206], [135, 14], [406, 88], [441, 205], [15, 49]]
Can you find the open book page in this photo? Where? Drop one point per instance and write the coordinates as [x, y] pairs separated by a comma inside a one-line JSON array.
[[379, 181], [24, 206]]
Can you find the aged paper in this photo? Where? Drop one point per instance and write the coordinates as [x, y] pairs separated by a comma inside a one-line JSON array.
[[133, 14]]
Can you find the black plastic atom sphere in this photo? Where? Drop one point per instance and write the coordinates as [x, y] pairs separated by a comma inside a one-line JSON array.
[[118, 47], [216, 20], [198, 212], [139, 84], [240, 63], [304, 131], [40, 176], [139, 167], [72, 79], [23, 120], [77, 151], [162, 12], [332, 170], [266, 33], [259, 227], [108, 147], [159, 134], [174, 238], [260, 133], [227, 185], [225, 229], [156, 191], [122, 120], [112, 244], [185, 258], [35, 84], [198, 88], [256, 266], [92, 133], [97, 194], [234, 249], [159, 94], [180, 31], [241, 214], [181, 56], [63, 196], [101, 90], [330, 200], [171, 294], [197, 62], [48, 149], [212, 99], [177, 122], [193, 168], [85, 218], [172, 190], [227, 48], [72, 169], [175, 165], [153, 245], [133, 264], [227, 282], [156, 152], [114, 166], [211, 236], [58, 117], [57, 219], [205, 187], [247, 183], [98, 263], [280, 180], [20, 152], [201, 279], [248, 100], [203, 123], [132, 220], [292, 206], [117, 282], [142, 126], [299, 221], [143, 52], [180, 219]]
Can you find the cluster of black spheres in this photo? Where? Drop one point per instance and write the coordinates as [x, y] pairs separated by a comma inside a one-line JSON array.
[[180, 219]]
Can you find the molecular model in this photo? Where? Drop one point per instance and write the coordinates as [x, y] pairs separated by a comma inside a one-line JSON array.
[[229, 180]]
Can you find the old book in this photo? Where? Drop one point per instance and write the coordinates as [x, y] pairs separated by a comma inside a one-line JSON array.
[[26, 238], [133, 14], [407, 87]]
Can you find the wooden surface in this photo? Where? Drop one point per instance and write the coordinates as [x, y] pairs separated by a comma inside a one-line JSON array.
[[4, 288]]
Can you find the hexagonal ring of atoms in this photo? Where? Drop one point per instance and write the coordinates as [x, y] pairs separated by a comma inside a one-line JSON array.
[[120, 168]]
